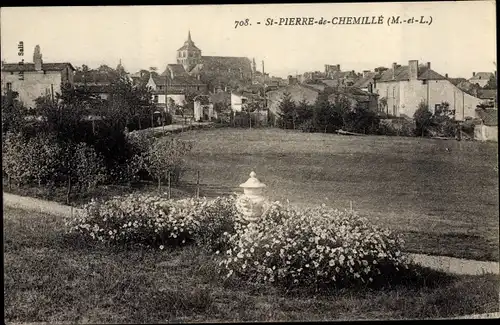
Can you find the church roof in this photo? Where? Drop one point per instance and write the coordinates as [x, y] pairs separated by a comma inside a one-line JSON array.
[[226, 63]]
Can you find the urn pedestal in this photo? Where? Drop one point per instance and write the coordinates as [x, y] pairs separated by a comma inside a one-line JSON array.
[[251, 203]]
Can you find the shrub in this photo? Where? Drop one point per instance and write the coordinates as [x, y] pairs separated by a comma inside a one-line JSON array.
[[14, 158], [89, 166], [312, 247], [166, 155], [154, 221]]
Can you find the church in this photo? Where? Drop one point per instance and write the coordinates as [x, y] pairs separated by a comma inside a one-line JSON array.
[[215, 72]]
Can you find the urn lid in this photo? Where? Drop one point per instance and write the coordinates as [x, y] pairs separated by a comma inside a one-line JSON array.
[[253, 182]]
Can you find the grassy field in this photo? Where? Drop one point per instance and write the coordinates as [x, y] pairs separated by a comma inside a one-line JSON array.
[[442, 194], [54, 277]]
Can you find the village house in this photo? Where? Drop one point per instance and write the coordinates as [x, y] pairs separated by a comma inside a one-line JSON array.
[[366, 81], [180, 85], [158, 85], [481, 78], [309, 92], [33, 80], [405, 87]]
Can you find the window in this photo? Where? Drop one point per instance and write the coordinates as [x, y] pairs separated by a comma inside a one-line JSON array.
[[424, 82], [9, 86]]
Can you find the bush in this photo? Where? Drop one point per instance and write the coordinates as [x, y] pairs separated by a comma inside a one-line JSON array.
[[166, 155], [155, 221], [312, 247], [14, 158], [89, 166]]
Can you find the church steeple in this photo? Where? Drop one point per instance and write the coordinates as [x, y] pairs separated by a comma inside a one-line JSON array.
[[188, 55]]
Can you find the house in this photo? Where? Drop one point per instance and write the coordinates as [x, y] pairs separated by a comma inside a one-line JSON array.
[[481, 78], [403, 88], [32, 80], [366, 81], [158, 86], [180, 85], [95, 82], [357, 97], [240, 99], [298, 93], [487, 130], [335, 77], [215, 71]]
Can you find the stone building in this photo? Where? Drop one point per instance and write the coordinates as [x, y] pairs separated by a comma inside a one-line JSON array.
[[405, 87], [215, 71], [32, 80]]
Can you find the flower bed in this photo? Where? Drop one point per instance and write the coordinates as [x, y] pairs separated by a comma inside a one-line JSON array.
[[155, 221], [287, 246], [312, 247]]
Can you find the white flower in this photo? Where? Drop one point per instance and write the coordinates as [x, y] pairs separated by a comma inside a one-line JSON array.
[[162, 247]]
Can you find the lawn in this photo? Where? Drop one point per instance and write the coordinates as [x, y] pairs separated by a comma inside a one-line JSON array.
[[442, 194], [54, 277]]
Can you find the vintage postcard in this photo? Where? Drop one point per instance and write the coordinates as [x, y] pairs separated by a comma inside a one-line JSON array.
[[252, 162]]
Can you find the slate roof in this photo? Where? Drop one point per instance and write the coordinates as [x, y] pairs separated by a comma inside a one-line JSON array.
[[456, 81], [363, 82], [402, 73], [159, 80], [16, 67], [298, 92], [92, 76], [177, 69]]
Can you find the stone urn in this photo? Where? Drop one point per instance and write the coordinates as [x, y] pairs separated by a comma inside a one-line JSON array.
[[251, 203]]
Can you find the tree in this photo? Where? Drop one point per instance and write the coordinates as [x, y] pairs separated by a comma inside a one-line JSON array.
[[287, 112], [165, 156], [443, 120], [13, 112], [423, 119]]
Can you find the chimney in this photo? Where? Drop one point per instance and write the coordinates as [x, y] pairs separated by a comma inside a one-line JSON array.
[[428, 65], [473, 74], [263, 71], [394, 67], [446, 75], [338, 67], [37, 58], [413, 69]]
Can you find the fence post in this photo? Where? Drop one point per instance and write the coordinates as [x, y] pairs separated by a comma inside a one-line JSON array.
[[197, 184]]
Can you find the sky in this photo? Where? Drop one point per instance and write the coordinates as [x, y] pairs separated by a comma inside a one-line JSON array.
[[460, 40]]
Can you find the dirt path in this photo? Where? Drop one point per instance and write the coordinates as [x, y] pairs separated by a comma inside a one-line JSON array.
[[441, 263]]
